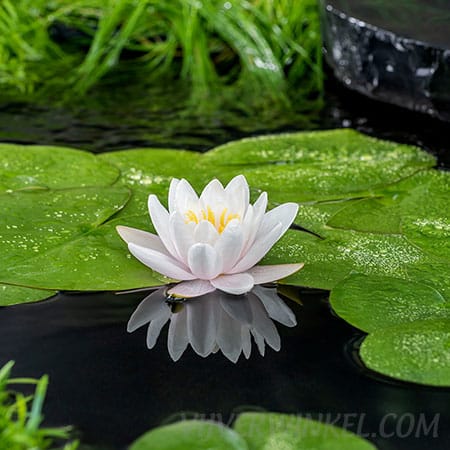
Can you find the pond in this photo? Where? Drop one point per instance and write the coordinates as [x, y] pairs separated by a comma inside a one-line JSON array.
[[111, 388]]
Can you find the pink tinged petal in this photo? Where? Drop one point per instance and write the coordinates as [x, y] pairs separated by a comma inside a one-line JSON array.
[[177, 338], [259, 341], [268, 274], [237, 307], [152, 307], [258, 250], [212, 195], [185, 197], [236, 284], [205, 232], [155, 327], [284, 214], [160, 220], [181, 235], [172, 194], [188, 289], [237, 195], [159, 262], [202, 325], [205, 263], [142, 238], [229, 244], [275, 306], [229, 336], [246, 342], [263, 324]]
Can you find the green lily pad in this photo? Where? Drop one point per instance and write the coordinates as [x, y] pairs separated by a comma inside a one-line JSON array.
[[27, 167], [272, 431], [418, 352], [315, 166], [51, 240], [372, 302], [417, 207], [190, 434], [14, 295]]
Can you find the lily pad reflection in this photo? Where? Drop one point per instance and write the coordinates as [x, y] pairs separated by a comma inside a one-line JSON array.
[[215, 321]]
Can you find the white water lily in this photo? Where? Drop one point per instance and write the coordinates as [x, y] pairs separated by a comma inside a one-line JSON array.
[[216, 321], [213, 241]]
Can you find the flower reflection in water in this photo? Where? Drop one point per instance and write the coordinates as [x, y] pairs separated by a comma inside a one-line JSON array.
[[215, 321]]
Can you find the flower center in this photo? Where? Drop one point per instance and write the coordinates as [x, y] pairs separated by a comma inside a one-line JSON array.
[[220, 221]]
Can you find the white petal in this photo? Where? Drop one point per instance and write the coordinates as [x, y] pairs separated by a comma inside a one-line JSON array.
[[172, 194], [155, 327], [166, 265], [246, 341], [160, 220], [182, 235], [259, 208], [237, 307], [194, 288], [275, 306], [284, 214], [205, 232], [237, 195], [205, 263], [212, 195], [177, 338], [229, 336], [149, 309], [185, 197], [263, 324], [142, 238], [259, 341], [236, 284], [258, 250], [229, 244], [202, 325], [267, 274]]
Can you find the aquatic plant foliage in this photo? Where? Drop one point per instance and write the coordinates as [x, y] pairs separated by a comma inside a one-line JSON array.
[[252, 431], [21, 416], [260, 52], [375, 208]]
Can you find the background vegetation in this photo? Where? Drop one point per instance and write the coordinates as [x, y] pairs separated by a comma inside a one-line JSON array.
[[258, 51]]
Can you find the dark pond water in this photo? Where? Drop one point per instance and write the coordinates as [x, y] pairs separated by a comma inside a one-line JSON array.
[[111, 388]]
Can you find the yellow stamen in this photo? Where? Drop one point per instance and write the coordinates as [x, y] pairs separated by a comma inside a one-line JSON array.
[[210, 216], [191, 217]]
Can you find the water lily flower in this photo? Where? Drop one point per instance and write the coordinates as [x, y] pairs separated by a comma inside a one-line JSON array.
[[215, 321], [213, 241]]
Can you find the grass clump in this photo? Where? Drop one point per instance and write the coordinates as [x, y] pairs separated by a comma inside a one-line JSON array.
[[21, 416], [260, 50]]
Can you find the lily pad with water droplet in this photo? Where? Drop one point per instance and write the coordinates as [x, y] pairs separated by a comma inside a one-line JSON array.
[[373, 302], [190, 434], [418, 352], [273, 431], [416, 207], [47, 167], [14, 295], [316, 166]]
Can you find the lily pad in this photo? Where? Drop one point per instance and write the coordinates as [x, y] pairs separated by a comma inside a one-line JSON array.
[[14, 295], [190, 434], [372, 302], [272, 431], [418, 352], [316, 166], [27, 167], [49, 239]]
